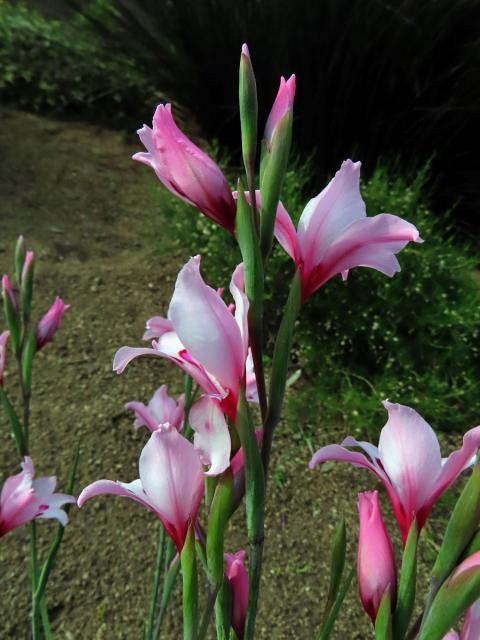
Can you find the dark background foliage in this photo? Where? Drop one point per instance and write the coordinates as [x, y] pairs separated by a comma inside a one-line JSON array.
[[374, 78]]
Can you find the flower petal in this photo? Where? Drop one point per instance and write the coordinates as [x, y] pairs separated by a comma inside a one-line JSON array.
[[133, 490], [212, 438], [471, 625], [172, 477], [327, 215], [206, 327], [410, 455], [368, 242], [456, 463], [286, 233], [156, 327], [237, 289], [125, 355]]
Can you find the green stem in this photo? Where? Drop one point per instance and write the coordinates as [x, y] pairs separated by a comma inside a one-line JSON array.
[[190, 587], [34, 562], [254, 575], [223, 611], [281, 358], [38, 589], [328, 623], [156, 581], [172, 569], [208, 611], [255, 507]]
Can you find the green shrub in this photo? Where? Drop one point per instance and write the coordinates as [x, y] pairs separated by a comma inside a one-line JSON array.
[[412, 338], [52, 66]]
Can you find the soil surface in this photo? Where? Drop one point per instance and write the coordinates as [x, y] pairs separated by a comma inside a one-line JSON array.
[[84, 206]]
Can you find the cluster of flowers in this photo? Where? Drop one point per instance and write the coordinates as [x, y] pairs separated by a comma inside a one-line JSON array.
[[408, 462], [211, 341], [23, 498]]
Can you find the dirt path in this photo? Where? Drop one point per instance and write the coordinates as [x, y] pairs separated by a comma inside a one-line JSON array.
[[73, 191]]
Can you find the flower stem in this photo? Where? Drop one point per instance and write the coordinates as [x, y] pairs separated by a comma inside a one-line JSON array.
[[281, 358], [190, 587], [156, 581], [255, 507]]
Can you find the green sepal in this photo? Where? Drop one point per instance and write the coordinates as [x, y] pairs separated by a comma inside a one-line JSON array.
[[407, 585], [247, 238], [210, 486], [337, 565], [20, 253], [12, 320], [254, 475], [172, 570], [272, 172], [247, 95], [383, 620], [28, 354], [251, 256], [327, 625], [223, 611], [461, 527], [190, 587], [452, 600], [26, 291], [220, 512], [473, 546], [15, 425]]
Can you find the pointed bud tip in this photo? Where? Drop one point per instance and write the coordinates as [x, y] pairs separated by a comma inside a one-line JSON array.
[[245, 51]]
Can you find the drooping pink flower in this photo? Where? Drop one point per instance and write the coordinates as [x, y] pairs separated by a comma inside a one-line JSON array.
[[201, 335], [48, 325], [3, 353], [161, 409], [376, 561], [186, 170], [170, 483], [282, 105], [334, 234], [237, 577], [407, 461], [24, 499]]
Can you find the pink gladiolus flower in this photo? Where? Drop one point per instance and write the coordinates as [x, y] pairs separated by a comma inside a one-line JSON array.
[[334, 234], [9, 292], [161, 409], [237, 577], [376, 561], [170, 483], [3, 353], [186, 170], [48, 325], [201, 335], [24, 499], [407, 461], [282, 105]]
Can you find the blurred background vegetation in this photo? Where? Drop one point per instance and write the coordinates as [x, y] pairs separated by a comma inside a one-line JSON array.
[[394, 84]]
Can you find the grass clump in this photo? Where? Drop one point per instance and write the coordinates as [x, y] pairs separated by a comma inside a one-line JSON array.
[[412, 339]]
